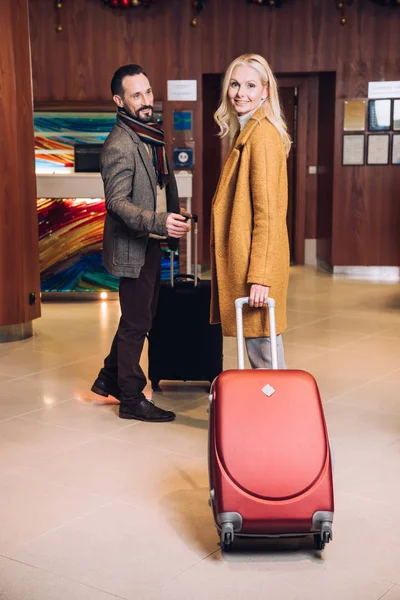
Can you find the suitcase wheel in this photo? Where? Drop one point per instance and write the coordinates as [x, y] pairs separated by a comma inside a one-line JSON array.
[[227, 537], [319, 543], [320, 539], [227, 543]]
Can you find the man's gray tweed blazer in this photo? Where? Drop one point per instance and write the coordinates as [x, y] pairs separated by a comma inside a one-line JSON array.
[[130, 188]]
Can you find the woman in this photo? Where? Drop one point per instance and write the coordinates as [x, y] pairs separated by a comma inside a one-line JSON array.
[[249, 239]]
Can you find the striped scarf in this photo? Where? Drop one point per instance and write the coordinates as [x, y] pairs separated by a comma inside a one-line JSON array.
[[151, 134]]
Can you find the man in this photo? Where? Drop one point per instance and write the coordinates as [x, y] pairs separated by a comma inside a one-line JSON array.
[[134, 167]]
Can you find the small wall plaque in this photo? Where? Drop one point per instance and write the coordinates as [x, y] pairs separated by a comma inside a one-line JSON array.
[[379, 115], [353, 149], [355, 112], [396, 149], [378, 149]]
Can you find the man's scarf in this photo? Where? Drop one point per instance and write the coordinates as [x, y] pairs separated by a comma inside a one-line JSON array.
[[151, 134]]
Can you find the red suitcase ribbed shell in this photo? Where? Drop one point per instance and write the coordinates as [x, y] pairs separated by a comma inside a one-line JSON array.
[[273, 447], [269, 455]]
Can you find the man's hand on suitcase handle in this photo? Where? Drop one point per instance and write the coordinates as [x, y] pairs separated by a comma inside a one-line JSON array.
[[258, 295], [185, 213], [177, 226]]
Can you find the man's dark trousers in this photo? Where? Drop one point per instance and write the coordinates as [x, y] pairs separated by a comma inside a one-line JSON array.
[[138, 300]]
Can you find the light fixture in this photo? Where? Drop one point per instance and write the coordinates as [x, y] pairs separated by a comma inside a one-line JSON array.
[[341, 6], [59, 5]]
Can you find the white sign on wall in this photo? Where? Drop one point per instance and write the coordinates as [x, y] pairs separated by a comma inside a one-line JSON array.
[[182, 89], [384, 89]]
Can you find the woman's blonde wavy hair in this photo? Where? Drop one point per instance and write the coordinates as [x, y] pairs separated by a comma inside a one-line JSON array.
[[225, 116]]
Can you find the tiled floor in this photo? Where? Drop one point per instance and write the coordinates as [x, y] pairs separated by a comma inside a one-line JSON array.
[[95, 508]]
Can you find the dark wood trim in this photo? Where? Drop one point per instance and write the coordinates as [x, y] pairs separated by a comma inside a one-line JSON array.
[[74, 106]]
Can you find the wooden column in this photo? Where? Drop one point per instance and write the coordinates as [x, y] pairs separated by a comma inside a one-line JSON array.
[[19, 254]]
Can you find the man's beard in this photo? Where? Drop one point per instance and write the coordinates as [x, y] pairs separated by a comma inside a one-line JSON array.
[[142, 118]]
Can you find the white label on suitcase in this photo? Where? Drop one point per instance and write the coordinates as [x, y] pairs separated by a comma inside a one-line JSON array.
[[268, 390]]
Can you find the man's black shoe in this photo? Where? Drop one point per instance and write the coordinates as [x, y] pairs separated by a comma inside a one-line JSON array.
[[105, 389], [146, 411]]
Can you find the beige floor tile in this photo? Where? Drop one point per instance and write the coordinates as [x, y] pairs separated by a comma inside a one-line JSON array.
[[70, 382], [93, 416], [179, 405], [197, 409], [186, 436], [20, 396], [378, 347], [23, 582], [316, 304], [270, 574], [23, 442], [20, 362], [372, 474], [176, 486], [297, 318], [354, 425], [121, 549], [78, 374], [393, 593], [70, 452], [393, 376], [381, 319], [378, 395], [391, 332], [331, 386], [179, 394], [296, 354], [48, 506], [369, 529], [80, 347], [317, 337], [4, 378], [113, 468], [344, 323], [358, 365]]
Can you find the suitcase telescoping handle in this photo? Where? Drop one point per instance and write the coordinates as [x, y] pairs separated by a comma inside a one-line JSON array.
[[196, 256], [240, 336]]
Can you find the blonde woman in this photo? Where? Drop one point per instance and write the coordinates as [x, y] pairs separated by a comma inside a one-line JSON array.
[[249, 239]]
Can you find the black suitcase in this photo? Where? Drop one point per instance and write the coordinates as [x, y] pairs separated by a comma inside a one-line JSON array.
[[183, 346]]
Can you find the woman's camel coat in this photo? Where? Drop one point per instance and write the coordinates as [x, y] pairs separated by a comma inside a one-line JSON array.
[[249, 239]]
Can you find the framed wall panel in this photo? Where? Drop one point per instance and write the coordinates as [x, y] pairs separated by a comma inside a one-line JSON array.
[[353, 153], [379, 115], [378, 149], [354, 117], [395, 154], [396, 115]]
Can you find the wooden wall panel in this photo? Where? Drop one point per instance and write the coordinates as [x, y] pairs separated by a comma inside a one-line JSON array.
[[366, 222], [304, 36], [19, 255]]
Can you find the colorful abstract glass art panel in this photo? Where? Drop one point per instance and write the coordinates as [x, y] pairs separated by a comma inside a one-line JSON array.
[[57, 133]]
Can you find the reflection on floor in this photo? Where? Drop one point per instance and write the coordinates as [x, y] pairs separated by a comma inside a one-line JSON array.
[[95, 508]]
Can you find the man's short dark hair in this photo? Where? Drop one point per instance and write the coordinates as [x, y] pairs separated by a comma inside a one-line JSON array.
[[125, 71]]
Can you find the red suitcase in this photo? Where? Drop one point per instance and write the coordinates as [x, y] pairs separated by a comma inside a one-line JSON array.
[[269, 457]]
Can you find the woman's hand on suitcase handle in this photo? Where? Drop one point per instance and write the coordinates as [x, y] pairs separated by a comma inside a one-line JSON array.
[[177, 226], [258, 295]]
